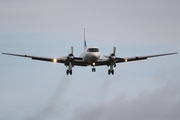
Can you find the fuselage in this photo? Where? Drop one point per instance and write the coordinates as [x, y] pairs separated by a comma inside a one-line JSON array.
[[91, 55]]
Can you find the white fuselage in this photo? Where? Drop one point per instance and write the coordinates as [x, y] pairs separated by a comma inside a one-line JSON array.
[[91, 55]]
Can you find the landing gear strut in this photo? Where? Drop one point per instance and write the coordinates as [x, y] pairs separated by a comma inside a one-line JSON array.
[[69, 70]]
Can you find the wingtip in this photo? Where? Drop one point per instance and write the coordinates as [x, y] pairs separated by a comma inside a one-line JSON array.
[[174, 53]]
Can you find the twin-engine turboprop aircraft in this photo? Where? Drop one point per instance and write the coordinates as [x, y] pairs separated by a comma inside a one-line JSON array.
[[90, 56]]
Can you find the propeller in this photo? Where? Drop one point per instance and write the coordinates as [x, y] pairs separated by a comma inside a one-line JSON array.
[[112, 57], [71, 56], [114, 51], [72, 49]]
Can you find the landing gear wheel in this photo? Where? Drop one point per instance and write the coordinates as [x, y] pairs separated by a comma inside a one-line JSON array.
[[111, 72], [67, 72], [93, 69], [70, 72]]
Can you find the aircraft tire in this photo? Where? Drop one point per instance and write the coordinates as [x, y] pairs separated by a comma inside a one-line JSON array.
[[67, 72], [109, 72], [70, 72], [112, 72]]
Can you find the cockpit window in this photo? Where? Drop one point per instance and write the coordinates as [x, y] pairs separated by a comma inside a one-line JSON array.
[[93, 50]]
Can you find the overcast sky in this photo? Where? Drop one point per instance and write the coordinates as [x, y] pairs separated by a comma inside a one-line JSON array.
[[36, 90]]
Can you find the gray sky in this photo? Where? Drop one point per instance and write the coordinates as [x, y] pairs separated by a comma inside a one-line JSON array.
[[33, 90]]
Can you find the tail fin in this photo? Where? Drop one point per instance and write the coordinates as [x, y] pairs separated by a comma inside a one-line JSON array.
[[85, 46]]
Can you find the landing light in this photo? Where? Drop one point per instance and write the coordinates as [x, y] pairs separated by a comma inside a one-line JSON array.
[[54, 60], [94, 64], [126, 60]]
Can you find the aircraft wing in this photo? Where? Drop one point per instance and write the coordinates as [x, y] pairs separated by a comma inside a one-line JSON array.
[[58, 60], [129, 59], [77, 60]]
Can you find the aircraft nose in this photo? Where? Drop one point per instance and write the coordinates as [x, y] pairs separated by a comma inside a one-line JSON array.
[[95, 57]]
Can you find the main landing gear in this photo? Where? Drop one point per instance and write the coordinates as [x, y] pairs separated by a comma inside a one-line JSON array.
[[69, 70], [111, 70]]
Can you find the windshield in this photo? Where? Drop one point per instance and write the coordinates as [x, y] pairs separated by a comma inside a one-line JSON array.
[[93, 50]]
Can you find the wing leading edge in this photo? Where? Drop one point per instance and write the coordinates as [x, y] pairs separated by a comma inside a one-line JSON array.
[[144, 57], [129, 59], [77, 60], [38, 58]]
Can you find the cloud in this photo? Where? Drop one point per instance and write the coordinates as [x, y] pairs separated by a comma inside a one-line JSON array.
[[152, 21], [161, 104]]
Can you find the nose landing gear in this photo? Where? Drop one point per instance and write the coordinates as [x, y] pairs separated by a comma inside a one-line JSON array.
[[93, 69]]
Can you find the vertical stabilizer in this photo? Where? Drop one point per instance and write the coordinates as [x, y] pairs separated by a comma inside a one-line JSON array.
[[85, 46]]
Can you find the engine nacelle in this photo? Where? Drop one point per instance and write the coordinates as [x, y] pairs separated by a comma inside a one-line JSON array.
[[70, 58]]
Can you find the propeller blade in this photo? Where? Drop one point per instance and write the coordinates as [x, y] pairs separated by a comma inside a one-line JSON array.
[[63, 57], [114, 50], [106, 56], [72, 49]]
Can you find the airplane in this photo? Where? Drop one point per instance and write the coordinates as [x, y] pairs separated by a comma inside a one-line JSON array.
[[90, 56]]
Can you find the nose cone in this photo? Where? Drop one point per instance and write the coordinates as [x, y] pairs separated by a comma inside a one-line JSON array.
[[97, 54], [93, 57]]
